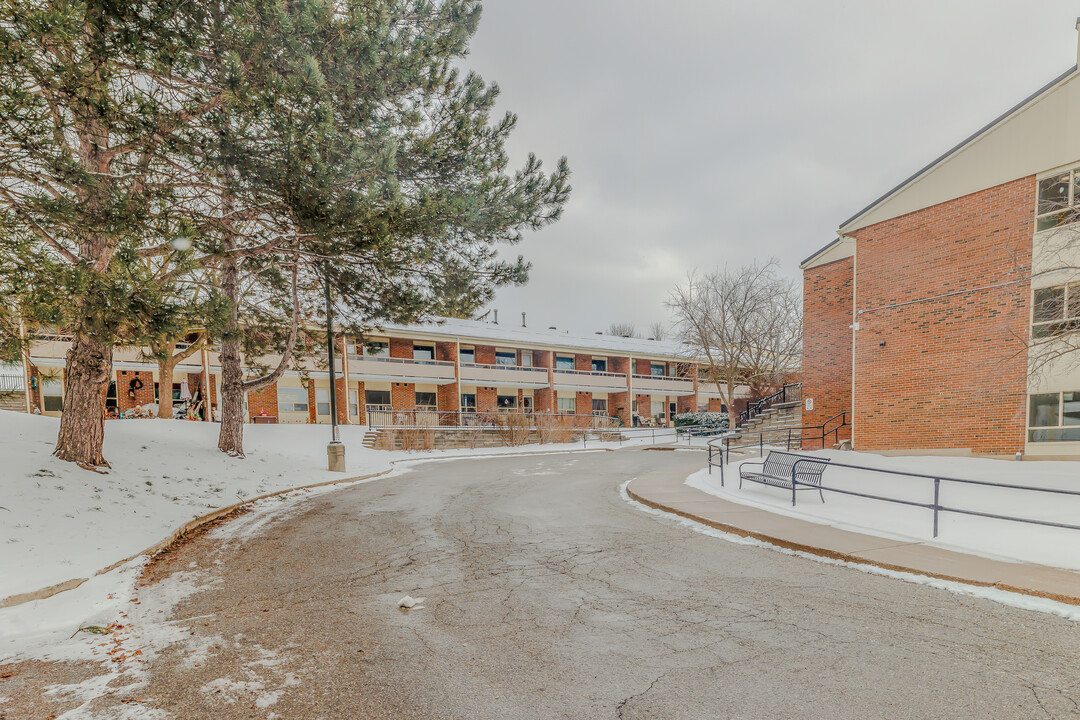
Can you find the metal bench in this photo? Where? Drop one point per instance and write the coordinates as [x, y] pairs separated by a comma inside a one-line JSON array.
[[779, 469]]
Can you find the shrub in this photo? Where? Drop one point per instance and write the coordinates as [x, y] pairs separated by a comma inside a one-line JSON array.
[[702, 419]]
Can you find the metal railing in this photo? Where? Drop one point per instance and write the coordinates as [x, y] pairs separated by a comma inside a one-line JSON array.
[[936, 506], [783, 395], [12, 378], [598, 373], [722, 446], [498, 366], [432, 419]]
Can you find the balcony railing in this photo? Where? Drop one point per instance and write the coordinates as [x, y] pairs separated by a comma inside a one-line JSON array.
[[437, 419], [594, 373]]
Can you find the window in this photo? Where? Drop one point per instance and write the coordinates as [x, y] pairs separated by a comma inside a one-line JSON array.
[[657, 369], [1058, 198], [354, 404], [563, 362], [1054, 417], [52, 396], [468, 402], [1055, 310], [322, 401], [292, 399], [507, 402], [376, 348], [599, 364], [423, 352], [110, 396], [426, 401], [526, 358], [599, 406], [467, 355], [657, 409], [350, 346], [377, 397], [567, 405], [527, 404], [505, 357]]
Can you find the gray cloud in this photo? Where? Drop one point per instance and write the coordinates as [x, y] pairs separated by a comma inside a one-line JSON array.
[[704, 132]]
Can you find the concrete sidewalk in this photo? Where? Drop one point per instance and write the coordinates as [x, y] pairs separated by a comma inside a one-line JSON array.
[[668, 491]]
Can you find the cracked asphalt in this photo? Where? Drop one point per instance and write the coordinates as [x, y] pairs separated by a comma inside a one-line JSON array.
[[548, 596]]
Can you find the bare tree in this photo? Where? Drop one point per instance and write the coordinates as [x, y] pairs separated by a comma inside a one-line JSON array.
[[747, 323], [1053, 344], [658, 330], [622, 329]]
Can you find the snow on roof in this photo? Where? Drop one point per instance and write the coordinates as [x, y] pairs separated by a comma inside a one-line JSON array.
[[509, 334]]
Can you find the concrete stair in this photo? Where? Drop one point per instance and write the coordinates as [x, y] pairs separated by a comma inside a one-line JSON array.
[[776, 418], [13, 400]]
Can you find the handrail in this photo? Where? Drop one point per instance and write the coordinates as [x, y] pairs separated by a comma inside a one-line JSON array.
[[497, 366], [936, 505], [725, 449], [444, 363], [754, 409], [602, 373], [662, 377]]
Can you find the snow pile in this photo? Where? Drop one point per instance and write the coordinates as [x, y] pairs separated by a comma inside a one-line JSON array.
[[988, 537]]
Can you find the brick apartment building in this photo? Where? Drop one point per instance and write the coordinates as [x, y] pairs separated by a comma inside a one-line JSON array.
[[932, 313], [436, 374]]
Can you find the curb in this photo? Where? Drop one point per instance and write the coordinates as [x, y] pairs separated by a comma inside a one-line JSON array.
[[214, 515], [844, 557]]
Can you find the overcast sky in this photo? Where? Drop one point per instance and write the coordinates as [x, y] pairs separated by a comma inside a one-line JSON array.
[[705, 132]]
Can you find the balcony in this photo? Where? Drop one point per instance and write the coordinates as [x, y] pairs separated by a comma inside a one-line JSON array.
[[504, 375], [439, 372], [590, 381], [663, 384]]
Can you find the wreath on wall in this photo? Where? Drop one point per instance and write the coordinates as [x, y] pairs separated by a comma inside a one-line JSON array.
[[135, 384]]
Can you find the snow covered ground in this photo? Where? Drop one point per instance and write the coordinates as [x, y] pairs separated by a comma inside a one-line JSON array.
[[59, 522], [987, 537]]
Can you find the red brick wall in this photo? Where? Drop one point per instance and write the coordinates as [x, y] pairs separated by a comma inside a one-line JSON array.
[[312, 409], [342, 386], [485, 355], [144, 395], [644, 407], [361, 418], [403, 396], [951, 373], [826, 359], [263, 401], [583, 362], [644, 367], [445, 351], [618, 405], [543, 400], [583, 403], [714, 405], [401, 348], [487, 399], [449, 397]]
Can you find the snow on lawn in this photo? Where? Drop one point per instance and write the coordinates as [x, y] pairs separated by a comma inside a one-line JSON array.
[[988, 537], [61, 522]]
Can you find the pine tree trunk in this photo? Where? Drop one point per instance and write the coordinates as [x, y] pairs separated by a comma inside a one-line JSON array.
[[165, 383], [231, 436], [86, 382]]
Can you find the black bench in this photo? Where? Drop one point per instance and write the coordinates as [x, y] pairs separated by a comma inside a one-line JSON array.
[[779, 469]]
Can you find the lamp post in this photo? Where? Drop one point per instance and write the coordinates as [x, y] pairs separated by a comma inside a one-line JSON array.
[[335, 451]]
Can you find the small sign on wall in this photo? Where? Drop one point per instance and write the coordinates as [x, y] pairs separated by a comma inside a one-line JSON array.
[[809, 404]]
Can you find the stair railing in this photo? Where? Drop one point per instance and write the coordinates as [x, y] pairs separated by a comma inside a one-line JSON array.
[[785, 394]]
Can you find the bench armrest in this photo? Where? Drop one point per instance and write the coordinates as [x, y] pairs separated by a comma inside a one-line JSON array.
[[750, 462]]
